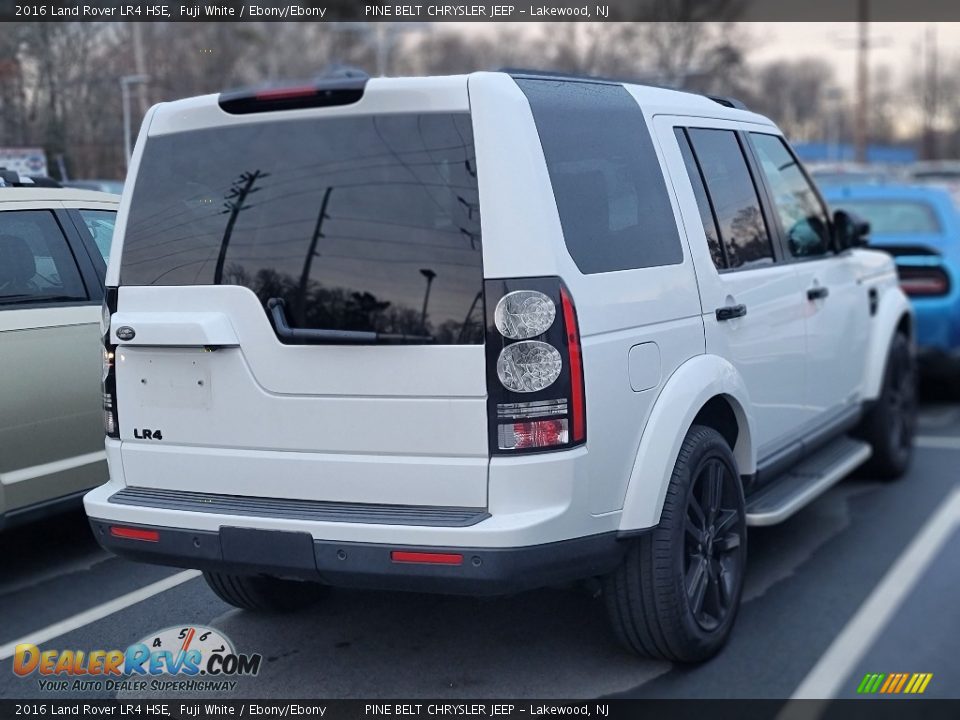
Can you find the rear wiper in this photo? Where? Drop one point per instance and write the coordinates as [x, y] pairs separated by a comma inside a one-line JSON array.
[[320, 336]]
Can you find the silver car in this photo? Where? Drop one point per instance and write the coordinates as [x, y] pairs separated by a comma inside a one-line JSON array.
[[53, 249]]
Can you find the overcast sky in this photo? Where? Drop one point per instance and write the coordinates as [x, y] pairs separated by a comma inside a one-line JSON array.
[[896, 45]]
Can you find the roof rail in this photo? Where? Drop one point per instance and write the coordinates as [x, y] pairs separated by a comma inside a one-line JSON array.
[[573, 77], [728, 102]]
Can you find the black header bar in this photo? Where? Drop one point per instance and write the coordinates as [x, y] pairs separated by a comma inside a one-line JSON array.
[[602, 709], [475, 11]]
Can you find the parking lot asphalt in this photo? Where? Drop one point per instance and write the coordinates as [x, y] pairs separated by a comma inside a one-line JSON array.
[[809, 581]]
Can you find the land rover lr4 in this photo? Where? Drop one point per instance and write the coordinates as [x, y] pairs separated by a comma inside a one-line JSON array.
[[484, 333]]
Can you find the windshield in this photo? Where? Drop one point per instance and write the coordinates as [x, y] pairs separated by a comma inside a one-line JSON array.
[[892, 217], [362, 223]]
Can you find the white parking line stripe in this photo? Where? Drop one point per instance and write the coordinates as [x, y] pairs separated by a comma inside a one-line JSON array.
[[850, 646], [937, 442], [99, 612]]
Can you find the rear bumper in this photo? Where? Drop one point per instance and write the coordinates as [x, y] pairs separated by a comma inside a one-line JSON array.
[[481, 570], [937, 325]]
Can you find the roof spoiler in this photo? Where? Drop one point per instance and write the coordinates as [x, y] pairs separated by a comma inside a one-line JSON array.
[[322, 92]]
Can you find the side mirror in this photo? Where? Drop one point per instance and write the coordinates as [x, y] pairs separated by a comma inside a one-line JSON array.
[[849, 230]]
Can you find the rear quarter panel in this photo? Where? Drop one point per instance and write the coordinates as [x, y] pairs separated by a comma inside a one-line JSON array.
[[617, 311]]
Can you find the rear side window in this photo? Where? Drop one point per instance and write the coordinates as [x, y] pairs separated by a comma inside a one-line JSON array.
[[703, 203], [365, 223], [36, 264], [99, 224], [733, 197], [607, 181]]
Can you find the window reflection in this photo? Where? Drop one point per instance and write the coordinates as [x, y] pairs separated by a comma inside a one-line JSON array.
[[801, 214], [336, 216]]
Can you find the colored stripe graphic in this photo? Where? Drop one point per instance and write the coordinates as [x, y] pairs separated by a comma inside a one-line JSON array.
[[898, 680], [894, 683]]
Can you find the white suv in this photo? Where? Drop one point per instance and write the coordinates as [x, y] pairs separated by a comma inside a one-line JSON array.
[[483, 333]]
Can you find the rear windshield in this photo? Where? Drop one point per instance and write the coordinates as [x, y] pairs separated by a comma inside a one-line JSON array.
[[366, 223], [893, 217]]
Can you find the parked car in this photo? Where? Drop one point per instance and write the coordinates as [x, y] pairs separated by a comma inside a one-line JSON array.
[[439, 334], [920, 227], [824, 174], [53, 249], [110, 186], [938, 173], [11, 178]]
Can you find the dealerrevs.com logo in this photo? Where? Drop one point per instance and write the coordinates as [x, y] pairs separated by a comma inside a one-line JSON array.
[[189, 659]]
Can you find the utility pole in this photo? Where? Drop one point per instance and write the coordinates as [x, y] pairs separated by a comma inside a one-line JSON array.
[[125, 82], [861, 121], [382, 37], [930, 104], [300, 310], [140, 66], [429, 275], [235, 200]]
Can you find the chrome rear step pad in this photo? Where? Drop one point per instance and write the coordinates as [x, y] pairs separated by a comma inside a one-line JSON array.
[[806, 481]]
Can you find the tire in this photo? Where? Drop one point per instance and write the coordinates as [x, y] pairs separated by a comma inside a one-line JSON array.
[[890, 424], [262, 593], [677, 590]]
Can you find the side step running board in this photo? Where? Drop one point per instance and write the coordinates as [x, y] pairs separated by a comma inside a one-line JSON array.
[[806, 481]]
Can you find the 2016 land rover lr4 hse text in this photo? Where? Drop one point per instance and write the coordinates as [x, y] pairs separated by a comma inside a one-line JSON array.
[[483, 333]]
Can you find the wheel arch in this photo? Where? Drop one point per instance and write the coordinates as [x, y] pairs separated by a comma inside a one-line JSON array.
[[707, 390], [894, 315]]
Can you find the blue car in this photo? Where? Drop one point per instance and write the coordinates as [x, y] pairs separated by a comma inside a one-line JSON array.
[[920, 227]]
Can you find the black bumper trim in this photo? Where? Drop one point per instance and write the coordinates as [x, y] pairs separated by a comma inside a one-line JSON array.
[[293, 509], [484, 571]]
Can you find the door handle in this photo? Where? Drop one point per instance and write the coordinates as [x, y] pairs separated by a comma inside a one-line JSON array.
[[730, 312], [817, 293]]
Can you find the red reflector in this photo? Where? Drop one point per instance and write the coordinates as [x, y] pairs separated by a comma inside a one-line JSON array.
[[402, 556], [535, 434], [578, 418], [284, 93], [129, 533]]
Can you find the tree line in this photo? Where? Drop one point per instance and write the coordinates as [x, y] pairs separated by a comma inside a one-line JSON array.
[[60, 82]]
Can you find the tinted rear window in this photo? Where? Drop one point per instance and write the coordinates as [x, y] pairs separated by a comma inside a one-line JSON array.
[[610, 191], [367, 223], [891, 217]]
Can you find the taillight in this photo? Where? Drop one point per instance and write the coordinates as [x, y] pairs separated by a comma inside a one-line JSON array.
[[919, 281], [111, 423], [534, 367]]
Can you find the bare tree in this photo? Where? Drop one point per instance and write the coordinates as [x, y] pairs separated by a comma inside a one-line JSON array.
[[794, 94]]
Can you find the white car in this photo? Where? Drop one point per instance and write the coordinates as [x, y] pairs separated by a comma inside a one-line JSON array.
[[483, 333], [53, 249]]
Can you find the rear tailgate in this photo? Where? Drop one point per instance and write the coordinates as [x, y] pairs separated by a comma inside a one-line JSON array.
[[361, 219]]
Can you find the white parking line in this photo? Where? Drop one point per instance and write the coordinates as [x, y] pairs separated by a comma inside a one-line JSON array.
[[852, 644], [99, 612], [937, 442]]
